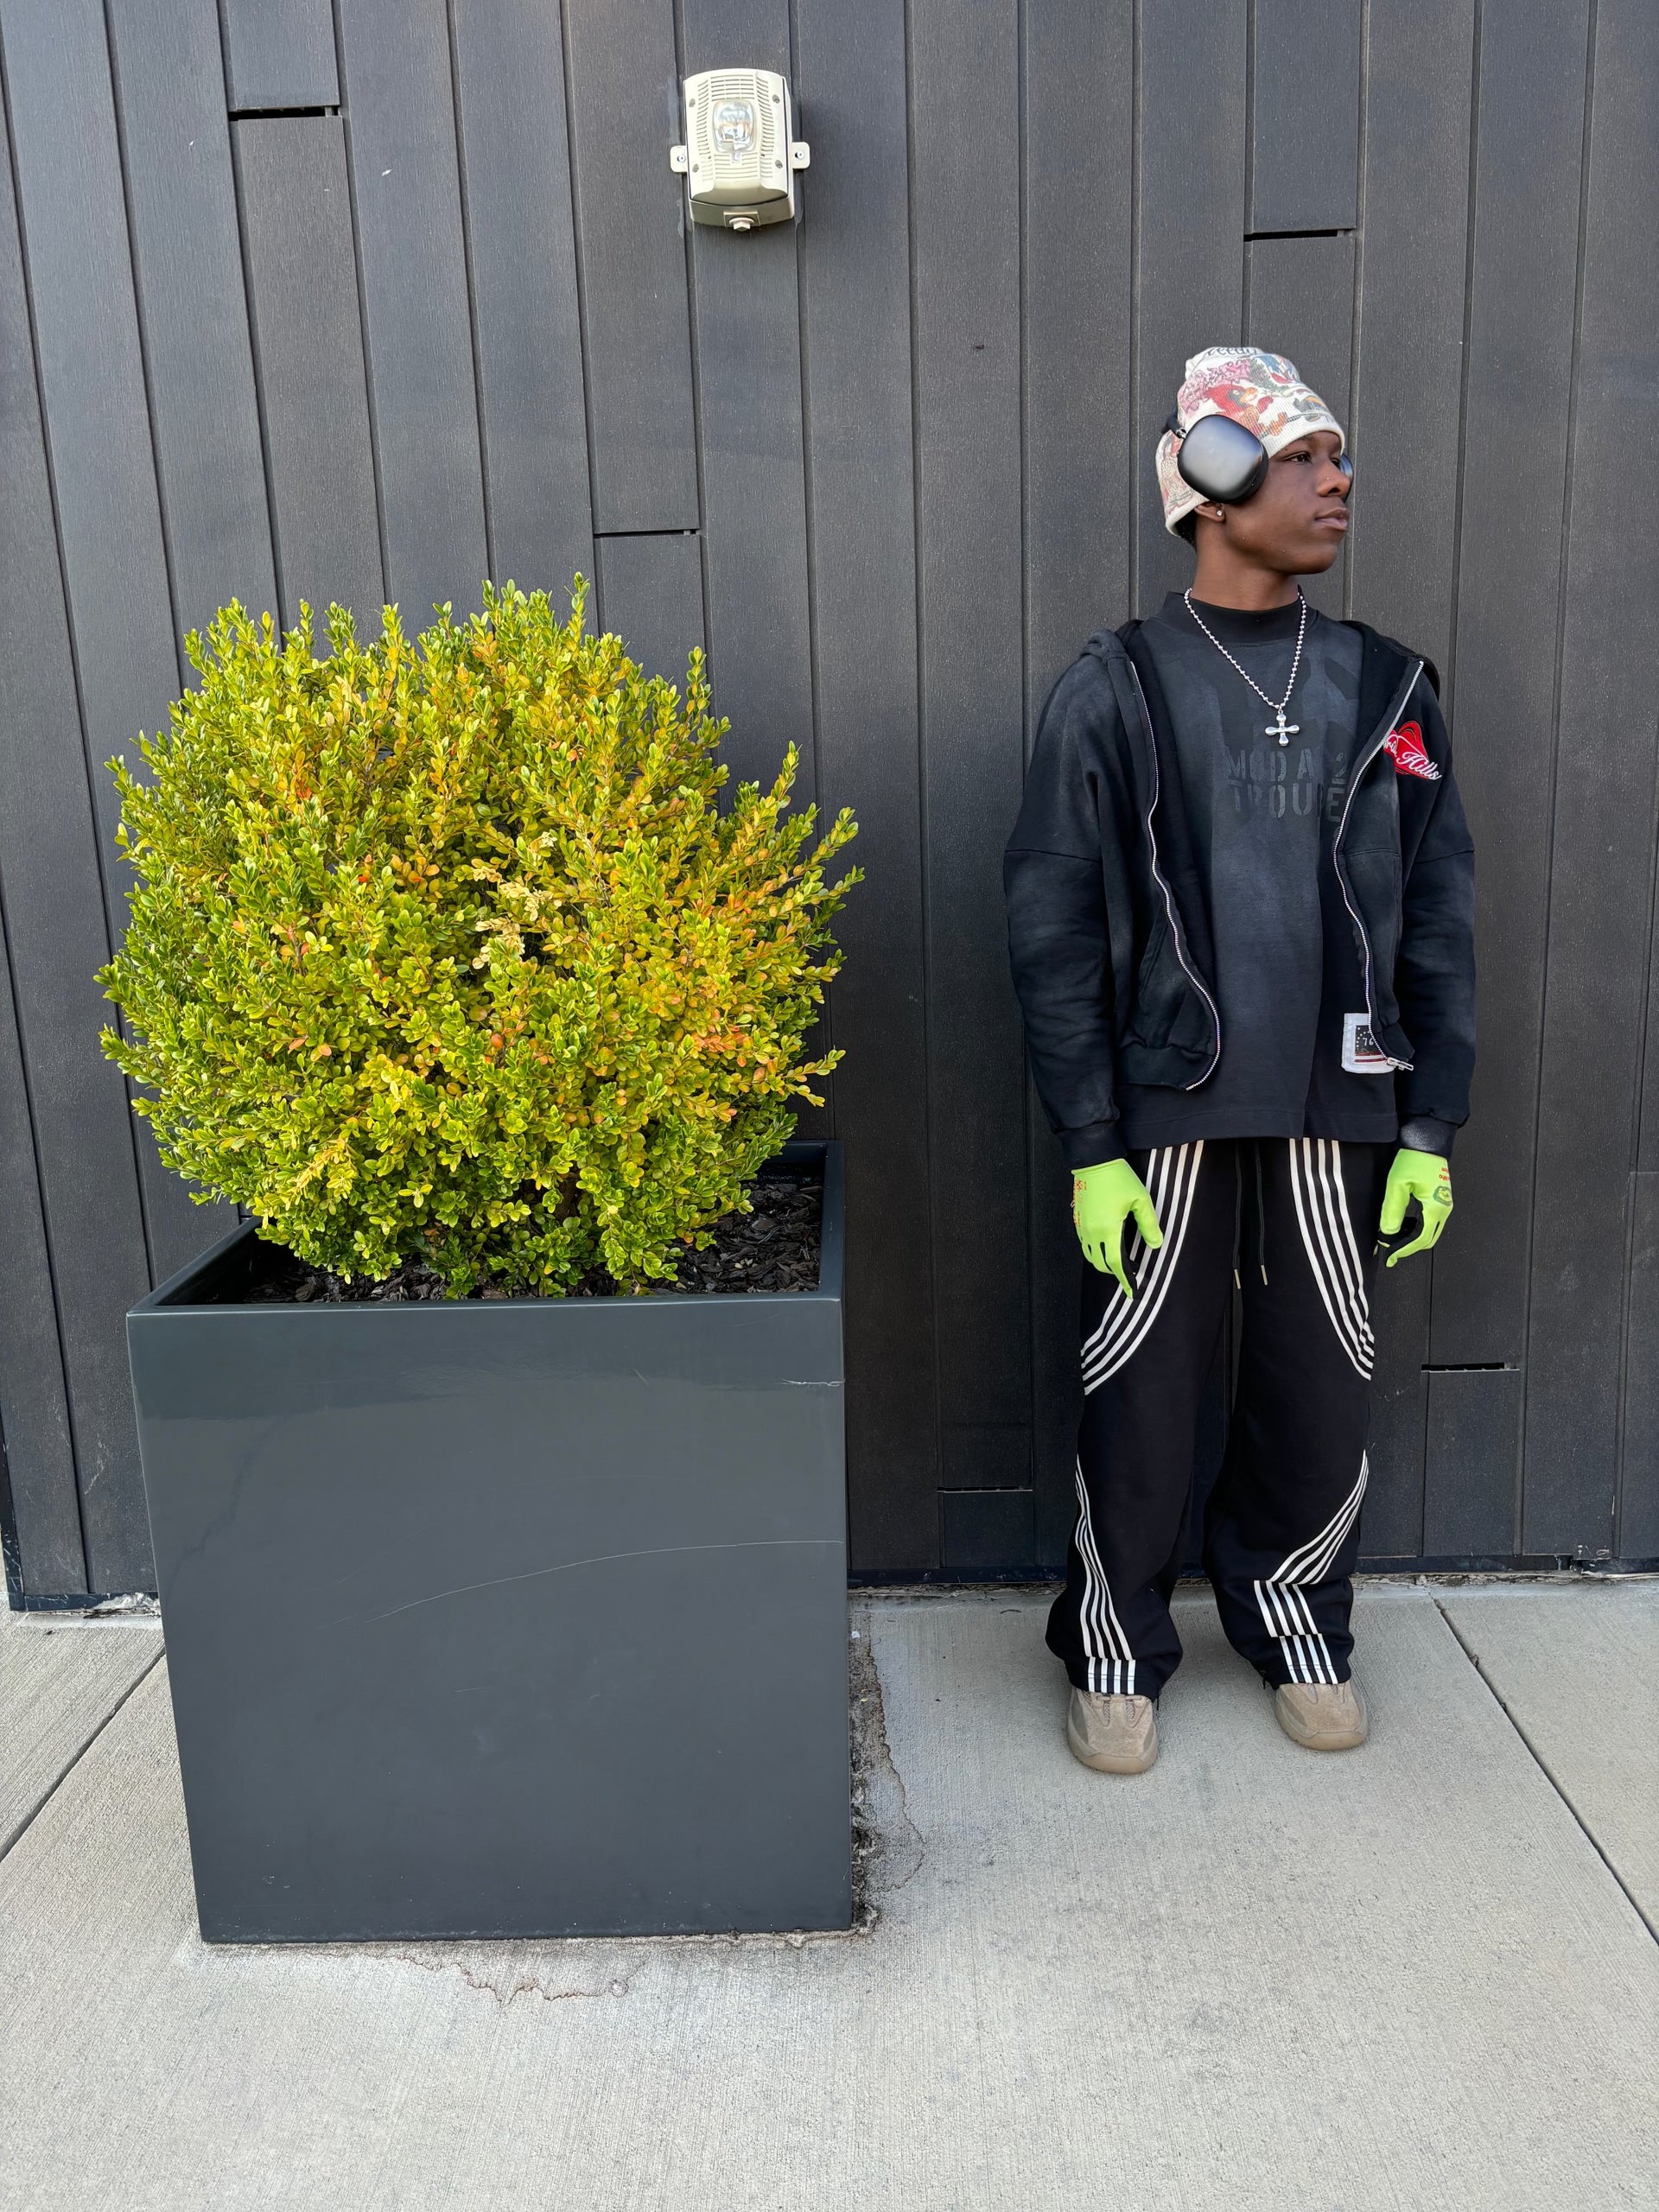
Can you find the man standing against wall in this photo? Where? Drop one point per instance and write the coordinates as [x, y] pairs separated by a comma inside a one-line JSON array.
[[1241, 923]]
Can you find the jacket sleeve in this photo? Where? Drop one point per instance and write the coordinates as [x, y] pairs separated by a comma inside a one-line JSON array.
[[1059, 945], [1435, 976]]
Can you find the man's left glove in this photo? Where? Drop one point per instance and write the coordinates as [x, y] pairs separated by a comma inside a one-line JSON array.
[[1426, 1178]]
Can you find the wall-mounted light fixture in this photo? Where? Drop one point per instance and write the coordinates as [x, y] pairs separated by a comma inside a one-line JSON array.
[[739, 161]]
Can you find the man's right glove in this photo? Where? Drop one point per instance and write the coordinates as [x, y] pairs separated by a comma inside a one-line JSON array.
[[1103, 1200]]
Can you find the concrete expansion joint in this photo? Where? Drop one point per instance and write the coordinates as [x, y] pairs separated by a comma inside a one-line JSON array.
[[1545, 1768]]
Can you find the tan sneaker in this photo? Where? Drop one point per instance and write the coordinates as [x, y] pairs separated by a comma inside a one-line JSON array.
[[1114, 1735], [1324, 1716]]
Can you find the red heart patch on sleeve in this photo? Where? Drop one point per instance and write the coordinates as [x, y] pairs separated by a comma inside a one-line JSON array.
[[1405, 747]]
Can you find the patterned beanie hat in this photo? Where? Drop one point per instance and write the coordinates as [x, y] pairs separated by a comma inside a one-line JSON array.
[[1261, 391]]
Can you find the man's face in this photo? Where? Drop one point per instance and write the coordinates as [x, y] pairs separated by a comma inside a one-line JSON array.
[[1297, 521]]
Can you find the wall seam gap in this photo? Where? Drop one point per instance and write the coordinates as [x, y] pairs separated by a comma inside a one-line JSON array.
[[573, 167], [1561, 593], [51, 1263], [273, 114], [1449, 673], [688, 237], [142, 334], [1133, 607], [1633, 1156], [1470, 222], [461, 192], [71, 639], [1022, 28], [1357, 328], [1249, 162], [158, 476], [808, 513], [923, 872], [387, 594], [240, 201]]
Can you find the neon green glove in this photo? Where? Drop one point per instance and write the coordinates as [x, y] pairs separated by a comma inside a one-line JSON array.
[[1103, 1200], [1426, 1178]]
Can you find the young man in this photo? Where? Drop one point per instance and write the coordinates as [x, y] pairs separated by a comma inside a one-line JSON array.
[[1241, 921]]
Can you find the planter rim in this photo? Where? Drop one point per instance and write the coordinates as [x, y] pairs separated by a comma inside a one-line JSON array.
[[824, 1154]]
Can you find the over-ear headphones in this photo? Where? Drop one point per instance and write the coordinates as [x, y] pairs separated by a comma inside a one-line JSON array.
[[1221, 460]]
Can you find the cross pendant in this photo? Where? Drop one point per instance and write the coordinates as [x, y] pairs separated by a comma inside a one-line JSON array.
[[1282, 730]]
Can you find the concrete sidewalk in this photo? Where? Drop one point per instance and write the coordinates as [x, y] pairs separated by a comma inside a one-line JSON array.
[[1418, 1976]]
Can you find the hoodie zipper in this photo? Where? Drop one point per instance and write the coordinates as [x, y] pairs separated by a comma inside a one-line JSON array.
[[1390, 721], [1191, 973]]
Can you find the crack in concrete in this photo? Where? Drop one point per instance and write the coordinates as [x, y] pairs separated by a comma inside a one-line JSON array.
[[511, 1974], [504, 1986], [887, 1852], [885, 1838]]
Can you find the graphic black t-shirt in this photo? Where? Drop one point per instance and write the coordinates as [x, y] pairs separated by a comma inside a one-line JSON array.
[[1264, 815]]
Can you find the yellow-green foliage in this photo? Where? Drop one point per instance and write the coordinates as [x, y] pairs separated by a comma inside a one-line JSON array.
[[443, 950]]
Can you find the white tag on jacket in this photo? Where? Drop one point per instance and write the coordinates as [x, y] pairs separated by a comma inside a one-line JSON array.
[[1361, 1053]]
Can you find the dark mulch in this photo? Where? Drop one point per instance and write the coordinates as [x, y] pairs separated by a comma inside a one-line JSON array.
[[774, 1246]]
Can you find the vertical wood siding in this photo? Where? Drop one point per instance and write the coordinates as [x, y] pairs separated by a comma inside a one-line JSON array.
[[303, 303]]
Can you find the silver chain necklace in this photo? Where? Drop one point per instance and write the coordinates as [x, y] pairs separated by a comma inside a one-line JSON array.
[[1281, 730]]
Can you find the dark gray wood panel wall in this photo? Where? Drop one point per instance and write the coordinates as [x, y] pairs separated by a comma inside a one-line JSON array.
[[304, 302]]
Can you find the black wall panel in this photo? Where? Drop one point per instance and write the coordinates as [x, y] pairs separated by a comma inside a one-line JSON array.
[[400, 137], [649, 591], [296, 216], [1080, 484], [1191, 79], [279, 54], [1473, 1464], [1305, 80], [193, 305], [1529, 132], [38, 1449], [67, 156], [965, 275], [280, 328], [856, 356], [1299, 301], [1602, 841], [74, 1226], [625, 114], [510, 94]]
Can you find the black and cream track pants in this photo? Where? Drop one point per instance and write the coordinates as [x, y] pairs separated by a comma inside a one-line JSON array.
[[1298, 1220]]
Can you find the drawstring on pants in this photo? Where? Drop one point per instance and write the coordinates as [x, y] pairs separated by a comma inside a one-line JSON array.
[[1254, 1144], [1261, 1215]]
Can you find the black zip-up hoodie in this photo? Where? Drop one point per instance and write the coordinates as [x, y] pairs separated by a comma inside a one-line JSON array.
[[1109, 934]]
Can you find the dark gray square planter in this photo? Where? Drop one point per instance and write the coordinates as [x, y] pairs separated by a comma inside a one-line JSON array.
[[517, 1618]]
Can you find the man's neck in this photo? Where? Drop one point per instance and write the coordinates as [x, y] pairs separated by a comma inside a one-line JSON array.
[[1223, 581]]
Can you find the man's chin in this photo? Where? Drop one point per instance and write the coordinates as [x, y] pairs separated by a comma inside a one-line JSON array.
[[1321, 553]]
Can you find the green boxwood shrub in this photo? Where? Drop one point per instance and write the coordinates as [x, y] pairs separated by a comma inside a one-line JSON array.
[[444, 951]]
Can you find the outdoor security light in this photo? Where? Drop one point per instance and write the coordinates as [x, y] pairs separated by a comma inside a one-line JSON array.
[[739, 161]]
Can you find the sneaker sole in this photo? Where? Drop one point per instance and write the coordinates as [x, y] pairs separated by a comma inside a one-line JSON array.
[[1103, 1762]]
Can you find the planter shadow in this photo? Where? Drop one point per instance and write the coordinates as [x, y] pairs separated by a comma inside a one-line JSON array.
[[507, 1617]]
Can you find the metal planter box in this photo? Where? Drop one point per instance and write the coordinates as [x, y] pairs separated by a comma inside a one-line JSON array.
[[515, 1617]]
